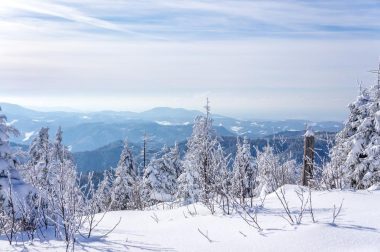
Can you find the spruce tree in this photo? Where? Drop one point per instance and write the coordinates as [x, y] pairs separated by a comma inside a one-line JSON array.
[[160, 178], [175, 159], [195, 182], [244, 171], [59, 151], [273, 171], [122, 192], [221, 182], [103, 192], [37, 171], [355, 158], [15, 194]]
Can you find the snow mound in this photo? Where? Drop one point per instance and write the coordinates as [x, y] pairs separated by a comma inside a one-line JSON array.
[[170, 228], [375, 187]]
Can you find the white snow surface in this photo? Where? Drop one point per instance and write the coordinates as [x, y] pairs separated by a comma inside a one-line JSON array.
[[12, 122], [164, 123], [27, 136], [357, 228], [236, 128]]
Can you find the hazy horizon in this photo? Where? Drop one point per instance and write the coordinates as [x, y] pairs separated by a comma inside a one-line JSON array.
[[199, 109], [253, 59]]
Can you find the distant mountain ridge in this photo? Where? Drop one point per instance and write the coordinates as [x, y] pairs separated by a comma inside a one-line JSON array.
[[90, 131], [108, 156]]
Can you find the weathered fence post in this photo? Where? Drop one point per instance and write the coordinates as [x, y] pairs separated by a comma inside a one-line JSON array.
[[308, 157]]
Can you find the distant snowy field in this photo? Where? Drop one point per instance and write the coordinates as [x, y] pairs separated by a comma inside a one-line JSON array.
[[357, 228]]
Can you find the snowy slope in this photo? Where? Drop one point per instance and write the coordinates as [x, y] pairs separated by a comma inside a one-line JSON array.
[[357, 228]]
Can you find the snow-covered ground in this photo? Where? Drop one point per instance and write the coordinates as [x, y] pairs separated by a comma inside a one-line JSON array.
[[357, 228]]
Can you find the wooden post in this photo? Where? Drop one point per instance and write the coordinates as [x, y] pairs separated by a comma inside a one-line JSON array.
[[308, 158], [144, 150]]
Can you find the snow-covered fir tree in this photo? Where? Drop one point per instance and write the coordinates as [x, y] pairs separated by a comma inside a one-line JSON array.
[[175, 159], [57, 203], [58, 189], [58, 154], [221, 181], [65, 201], [52, 171], [273, 172], [189, 188], [39, 157], [160, 178], [8, 161], [103, 192], [124, 184], [15, 194], [244, 171], [195, 182], [59, 151], [355, 158]]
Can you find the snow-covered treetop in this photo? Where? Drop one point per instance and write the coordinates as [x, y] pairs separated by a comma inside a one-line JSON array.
[[60, 152], [40, 147], [58, 136], [126, 161], [5, 129], [7, 161]]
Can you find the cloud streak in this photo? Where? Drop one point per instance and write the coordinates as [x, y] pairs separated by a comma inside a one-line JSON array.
[[61, 11], [194, 19]]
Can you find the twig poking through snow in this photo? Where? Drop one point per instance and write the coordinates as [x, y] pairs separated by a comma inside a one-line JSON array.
[[300, 194], [192, 213], [242, 234], [155, 217], [285, 205], [336, 212], [205, 235], [110, 231], [311, 207], [184, 215]]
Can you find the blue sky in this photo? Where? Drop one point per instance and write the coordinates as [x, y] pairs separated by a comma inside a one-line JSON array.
[[254, 59]]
